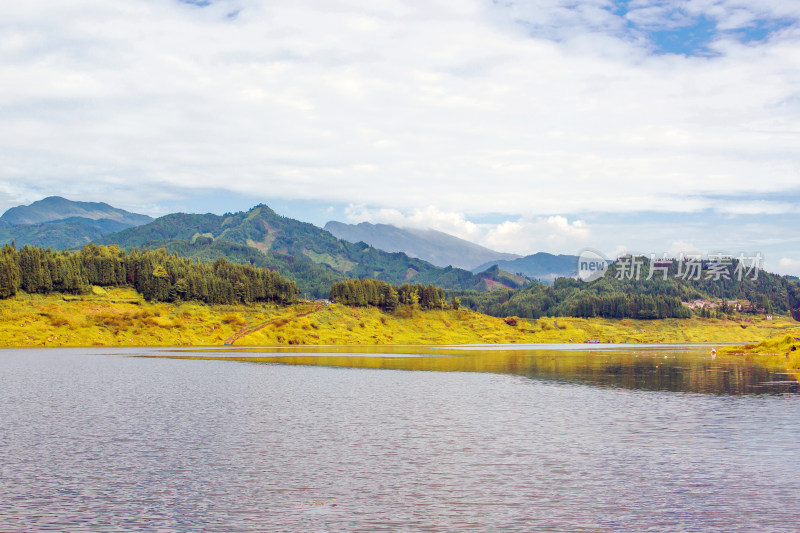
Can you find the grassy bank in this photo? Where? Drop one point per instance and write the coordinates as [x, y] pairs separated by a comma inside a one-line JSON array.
[[120, 317], [784, 350]]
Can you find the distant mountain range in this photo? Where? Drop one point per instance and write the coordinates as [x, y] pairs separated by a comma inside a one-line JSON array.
[[443, 249], [58, 208], [307, 254], [436, 247], [311, 256], [540, 266], [59, 223], [314, 258]]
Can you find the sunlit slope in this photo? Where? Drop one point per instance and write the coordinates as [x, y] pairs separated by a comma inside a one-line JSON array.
[[119, 317]]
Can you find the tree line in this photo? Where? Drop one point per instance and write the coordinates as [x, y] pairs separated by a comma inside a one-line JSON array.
[[377, 293], [564, 299], [155, 274], [612, 297]]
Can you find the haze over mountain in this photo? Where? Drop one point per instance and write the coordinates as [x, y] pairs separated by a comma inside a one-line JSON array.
[[58, 223], [436, 247], [541, 266], [58, 208]]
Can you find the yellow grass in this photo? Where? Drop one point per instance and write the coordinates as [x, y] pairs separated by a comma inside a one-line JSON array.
[[783, 350], [119, 317]]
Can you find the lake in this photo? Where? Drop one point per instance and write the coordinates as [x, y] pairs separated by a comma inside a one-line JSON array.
[[516, 438]]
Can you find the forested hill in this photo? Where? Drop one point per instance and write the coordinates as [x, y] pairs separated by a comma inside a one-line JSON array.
[[156, 275], [309, 255], [615, 296]]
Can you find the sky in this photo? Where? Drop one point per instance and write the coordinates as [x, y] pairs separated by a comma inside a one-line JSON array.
[[547, 125]]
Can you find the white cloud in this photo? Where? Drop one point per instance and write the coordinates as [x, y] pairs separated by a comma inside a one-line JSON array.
[[522, 235], [533, 234], [681, 247], [759, 207], [429, 217], [454, 105], [727, 14], [789, 266]]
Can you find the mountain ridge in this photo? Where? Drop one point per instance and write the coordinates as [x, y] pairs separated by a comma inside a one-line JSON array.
[[55, 208], [57, 223], [542, 266], [436, 247], [316, 252]]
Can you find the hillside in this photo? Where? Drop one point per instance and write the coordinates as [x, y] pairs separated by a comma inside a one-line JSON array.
[[641, 298], [541, 266], [436, 247], [120, 317], [58, 208], [312, 249], [313, 280], [59, 234]]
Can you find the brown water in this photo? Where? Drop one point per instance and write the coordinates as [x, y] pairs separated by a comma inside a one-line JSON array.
[[593, 441]]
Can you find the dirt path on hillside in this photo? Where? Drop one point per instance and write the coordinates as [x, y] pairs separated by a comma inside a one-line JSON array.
[[247, 330]]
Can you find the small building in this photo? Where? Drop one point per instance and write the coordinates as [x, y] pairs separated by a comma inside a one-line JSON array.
[[700, 304]]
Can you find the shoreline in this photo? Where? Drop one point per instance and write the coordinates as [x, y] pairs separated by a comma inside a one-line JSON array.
[[121, 318]]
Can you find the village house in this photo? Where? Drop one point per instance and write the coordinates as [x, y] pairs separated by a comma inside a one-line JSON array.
[[700, 304]]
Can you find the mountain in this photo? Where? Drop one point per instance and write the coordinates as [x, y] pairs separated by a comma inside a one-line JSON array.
[[58, 208], [310, 256], [541, 266], [59, 234], [59, 223], [436, 247]]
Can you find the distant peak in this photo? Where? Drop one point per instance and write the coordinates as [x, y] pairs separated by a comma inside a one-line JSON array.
[[263, 208]]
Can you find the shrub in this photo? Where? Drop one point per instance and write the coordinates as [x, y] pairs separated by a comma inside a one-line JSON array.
[[234, 319]]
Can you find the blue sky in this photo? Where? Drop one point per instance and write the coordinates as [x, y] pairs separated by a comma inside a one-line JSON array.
[[522, 125]]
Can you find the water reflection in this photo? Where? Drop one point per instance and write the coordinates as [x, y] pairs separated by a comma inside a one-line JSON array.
[[98, 441], [676, 369]]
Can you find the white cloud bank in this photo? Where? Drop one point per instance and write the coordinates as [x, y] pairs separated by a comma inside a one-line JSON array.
[[524, 235], [536, 108]]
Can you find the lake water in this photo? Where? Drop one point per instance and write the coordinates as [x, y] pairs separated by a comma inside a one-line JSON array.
[[446, 439]]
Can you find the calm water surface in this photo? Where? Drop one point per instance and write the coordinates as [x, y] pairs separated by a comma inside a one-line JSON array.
[[629, 439]]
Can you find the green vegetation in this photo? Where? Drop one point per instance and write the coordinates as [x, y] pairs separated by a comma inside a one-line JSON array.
[[306, 254], [375, 293], [59, 234], [610, 297], [155, 275], [313, 280]]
